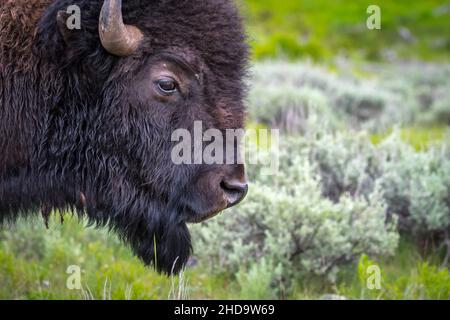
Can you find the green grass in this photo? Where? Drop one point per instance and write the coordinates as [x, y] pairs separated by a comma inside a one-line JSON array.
[[34, 267], [407, 275], [418, 137], [320, 29], [34, 261]]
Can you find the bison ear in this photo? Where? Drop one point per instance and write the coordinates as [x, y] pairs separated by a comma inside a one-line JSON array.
[[67, 34]]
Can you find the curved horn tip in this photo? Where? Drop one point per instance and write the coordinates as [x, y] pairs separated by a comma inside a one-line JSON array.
[[116, 37]]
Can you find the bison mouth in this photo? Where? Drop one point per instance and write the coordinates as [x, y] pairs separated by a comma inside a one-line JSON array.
[[196, 218]]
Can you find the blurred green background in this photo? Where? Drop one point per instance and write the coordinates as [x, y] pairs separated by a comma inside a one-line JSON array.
[[364, 173], [323, 29]]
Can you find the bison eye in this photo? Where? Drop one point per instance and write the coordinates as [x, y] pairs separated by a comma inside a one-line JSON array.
[[167, 85]]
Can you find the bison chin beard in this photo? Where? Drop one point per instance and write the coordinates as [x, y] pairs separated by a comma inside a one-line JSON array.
[[157, 236], [167, 248]]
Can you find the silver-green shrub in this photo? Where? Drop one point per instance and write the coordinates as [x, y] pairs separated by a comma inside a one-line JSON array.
[[287, 221], [291, 109], [347, 163], [285, 94], [439, 111], [336, 196], [416, 185]]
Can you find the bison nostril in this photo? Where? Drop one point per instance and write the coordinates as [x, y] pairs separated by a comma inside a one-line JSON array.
[[234, 191]]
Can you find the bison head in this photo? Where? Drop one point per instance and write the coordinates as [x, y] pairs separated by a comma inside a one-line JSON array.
[[110, 96]]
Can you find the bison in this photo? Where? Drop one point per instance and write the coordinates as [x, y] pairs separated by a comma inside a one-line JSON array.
[[86, 115]]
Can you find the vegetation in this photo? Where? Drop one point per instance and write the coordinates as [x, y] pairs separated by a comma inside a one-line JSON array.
[[322, 29], [36, 268], [364, 175], [336, 198], [374, 97]]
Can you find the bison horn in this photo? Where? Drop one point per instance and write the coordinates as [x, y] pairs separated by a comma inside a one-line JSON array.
[[116, 37]]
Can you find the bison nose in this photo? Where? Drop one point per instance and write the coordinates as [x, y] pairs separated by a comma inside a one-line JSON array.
[[234, 191]]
